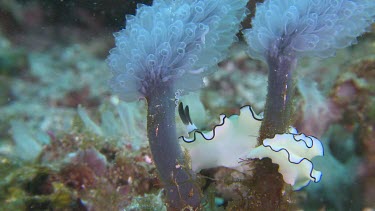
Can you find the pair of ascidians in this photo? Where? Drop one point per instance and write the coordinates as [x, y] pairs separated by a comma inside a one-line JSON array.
[[172, 46]]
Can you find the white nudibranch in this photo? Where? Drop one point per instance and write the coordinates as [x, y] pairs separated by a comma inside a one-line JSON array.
[[234, 139]]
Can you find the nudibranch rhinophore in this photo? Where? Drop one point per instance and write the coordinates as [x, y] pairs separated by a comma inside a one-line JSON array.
[[234, 139]]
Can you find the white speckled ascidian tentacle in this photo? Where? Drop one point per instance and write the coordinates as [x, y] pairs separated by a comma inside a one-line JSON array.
[[172, 42], [309, 27]]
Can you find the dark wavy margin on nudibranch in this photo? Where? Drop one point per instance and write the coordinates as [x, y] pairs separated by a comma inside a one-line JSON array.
[[289, 159], [298, 140], [253, 114]]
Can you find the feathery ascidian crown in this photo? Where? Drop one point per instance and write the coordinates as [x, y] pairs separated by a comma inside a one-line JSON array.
[[308, 27], [172, 41]]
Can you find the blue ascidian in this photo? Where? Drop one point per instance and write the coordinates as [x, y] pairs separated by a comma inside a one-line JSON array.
[[173, 42], [168, 48], [283, 31]]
